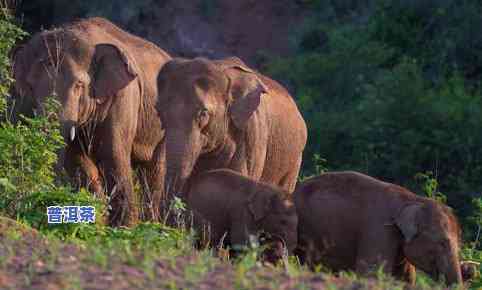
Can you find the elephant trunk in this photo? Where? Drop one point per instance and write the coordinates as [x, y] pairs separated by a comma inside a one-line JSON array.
[[182, 153], [70, 118], [449, 269]]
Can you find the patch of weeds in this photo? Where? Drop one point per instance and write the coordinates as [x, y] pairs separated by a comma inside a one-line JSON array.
[[148, 266], [6, 252], [53, 245], [320, 268], [386, 281], [99, 256], [331, 286], [31, 272], [204, 263], [243, 265], [302, 286], [351, 276], [74, 282], [13, 234], [293, 267], [424, 281], [171, 285]]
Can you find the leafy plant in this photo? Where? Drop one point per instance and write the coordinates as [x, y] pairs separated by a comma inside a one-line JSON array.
[[429, 185], [9, 35], [28, 154], [392, 96]]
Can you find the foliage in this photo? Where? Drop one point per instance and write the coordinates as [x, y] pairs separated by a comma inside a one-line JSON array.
[[470, 254], [394, 95], [9, 34], [429, 186], [28, 155], [320, 167], [443, 35]]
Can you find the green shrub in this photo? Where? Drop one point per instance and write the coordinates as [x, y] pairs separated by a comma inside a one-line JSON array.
[[9, 34], [394, 96], [28, 154], [443, 35]]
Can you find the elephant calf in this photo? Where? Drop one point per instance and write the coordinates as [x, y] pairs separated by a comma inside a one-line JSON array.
[[239, 207], [350, 221], [469, 270]]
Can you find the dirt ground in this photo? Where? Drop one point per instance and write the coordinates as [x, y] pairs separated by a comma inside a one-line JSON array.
[[29, 260]]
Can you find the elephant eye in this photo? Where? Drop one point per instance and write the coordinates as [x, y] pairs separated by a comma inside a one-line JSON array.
[[79, 86]]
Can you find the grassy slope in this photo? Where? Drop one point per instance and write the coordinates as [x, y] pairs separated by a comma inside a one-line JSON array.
[[148, 257]]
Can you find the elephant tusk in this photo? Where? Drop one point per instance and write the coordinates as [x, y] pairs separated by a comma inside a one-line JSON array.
[[72, 133]]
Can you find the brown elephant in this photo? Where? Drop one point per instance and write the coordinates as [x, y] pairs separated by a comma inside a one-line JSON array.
[[239, 206], [222, 114], [106, 82], [350, 221]]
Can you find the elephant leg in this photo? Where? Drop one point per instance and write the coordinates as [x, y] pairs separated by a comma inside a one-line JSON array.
[[115, 156], [239, 237], [288, 182], [146, 209], [153, 185], [82, 170], [302, 250], [370, 258], [119, 186], [94, 179], [117, 133], [208, 234]]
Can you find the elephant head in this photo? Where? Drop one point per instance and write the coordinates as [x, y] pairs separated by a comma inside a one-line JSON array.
[[431, 237], [81, 75], [470, 270], [275, 215], [202, 101]]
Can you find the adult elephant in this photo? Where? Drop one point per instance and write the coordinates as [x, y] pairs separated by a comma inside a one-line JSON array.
[[222, 114], [105, 80]]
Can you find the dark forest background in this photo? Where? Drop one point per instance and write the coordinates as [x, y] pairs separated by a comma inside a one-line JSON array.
[[390, 88]]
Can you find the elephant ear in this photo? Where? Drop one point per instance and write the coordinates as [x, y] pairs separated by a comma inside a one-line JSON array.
[[167, 69], [113, 71], [259, 205], [244, 90], [407, 221]]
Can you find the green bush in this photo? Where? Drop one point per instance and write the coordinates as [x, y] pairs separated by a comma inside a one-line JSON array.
[[9, 34], [28, 154], [442, 35], [395, 96]]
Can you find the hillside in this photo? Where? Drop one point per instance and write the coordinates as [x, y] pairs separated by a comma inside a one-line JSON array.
[[148, 257], [213, 28], [390, 88]]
